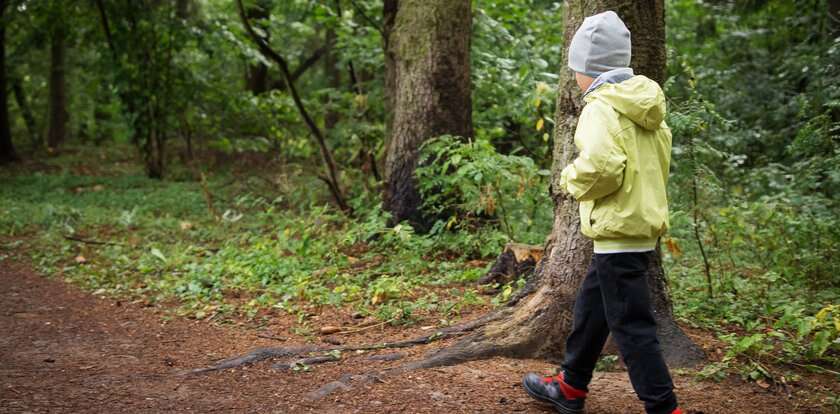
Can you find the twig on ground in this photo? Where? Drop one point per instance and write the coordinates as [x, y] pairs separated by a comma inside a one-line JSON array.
[[364, 328], [276, 338], [89, 241]]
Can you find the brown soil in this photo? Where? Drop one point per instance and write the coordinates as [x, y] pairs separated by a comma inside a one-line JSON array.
[[64, 350]]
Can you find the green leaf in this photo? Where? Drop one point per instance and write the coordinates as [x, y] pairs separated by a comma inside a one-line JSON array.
[[157, 253]]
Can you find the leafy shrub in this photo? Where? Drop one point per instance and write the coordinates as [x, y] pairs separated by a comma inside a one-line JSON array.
[[474, 184]]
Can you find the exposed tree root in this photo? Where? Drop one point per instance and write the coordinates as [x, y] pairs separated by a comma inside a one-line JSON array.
[[261, 354], [533, 325], [473, 347], [535, 328], [510, 332]]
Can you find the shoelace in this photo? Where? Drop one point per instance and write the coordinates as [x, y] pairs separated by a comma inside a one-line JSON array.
[[569, 392]]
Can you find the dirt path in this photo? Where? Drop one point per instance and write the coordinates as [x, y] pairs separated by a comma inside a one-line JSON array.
[[63, 350]]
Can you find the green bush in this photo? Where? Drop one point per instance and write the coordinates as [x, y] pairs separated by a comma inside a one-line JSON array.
[[471, 184]]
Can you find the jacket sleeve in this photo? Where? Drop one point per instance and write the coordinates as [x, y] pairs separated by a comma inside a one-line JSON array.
[[598, 171]]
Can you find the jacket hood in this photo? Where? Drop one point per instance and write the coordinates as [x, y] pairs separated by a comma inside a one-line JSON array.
[[639, 98]]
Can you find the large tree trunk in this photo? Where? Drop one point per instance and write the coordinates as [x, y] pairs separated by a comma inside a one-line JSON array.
[[430, 43], [7, 149], [58, 89], [537, 326]]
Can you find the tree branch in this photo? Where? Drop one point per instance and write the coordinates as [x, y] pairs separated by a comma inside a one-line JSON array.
[[326, 155], [367, 18], [106, 28], [311, 60]]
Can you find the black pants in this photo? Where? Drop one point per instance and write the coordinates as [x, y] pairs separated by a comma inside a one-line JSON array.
[[615, 298]]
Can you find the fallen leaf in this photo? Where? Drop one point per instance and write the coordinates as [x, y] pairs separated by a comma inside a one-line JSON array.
[[186, 225], [673, 247], [80, 259]]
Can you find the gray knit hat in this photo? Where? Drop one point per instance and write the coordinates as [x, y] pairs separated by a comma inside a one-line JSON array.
[[601, 44]]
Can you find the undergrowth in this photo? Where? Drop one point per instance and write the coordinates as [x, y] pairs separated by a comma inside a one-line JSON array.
[[269, 248]]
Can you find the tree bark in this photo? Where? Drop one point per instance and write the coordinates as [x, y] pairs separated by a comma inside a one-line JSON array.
[[389, 16], [430, 45], [58, 89], [536, 326], [7, 148]]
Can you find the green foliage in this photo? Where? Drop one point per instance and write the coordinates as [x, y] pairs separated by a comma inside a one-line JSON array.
[[163, 245], [471, 183], [516, 53], [755, 134]]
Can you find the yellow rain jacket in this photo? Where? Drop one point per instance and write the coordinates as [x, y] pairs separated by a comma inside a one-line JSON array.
[[621, 172]]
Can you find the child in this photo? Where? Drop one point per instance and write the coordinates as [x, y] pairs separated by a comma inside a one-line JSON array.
[[619, 179]]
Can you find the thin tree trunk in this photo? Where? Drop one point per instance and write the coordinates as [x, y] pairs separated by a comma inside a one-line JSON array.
[[26, 112], [333, 76], [154, 152], [430, 44], [184, 9], [58, 89], [537, 326], [7, 149]]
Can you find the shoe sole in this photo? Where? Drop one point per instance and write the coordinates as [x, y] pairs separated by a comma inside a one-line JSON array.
[[560, 409]]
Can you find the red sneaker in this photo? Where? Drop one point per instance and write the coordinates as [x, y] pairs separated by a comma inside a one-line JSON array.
[[565, 398]]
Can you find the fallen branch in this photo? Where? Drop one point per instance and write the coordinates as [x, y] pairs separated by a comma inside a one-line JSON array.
[[305, 362]]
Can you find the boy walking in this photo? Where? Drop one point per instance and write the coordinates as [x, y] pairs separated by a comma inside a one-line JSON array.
[[619, 178]]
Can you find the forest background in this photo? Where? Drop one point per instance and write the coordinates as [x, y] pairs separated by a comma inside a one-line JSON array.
[[164, 151]]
